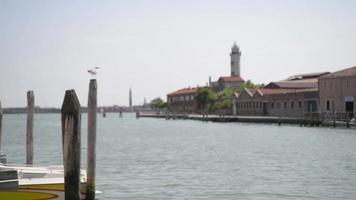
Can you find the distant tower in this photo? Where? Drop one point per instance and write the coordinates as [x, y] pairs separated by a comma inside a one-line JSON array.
[[235, 60], [130, 99]]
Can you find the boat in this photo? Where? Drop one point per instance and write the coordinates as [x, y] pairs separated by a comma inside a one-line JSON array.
[[35, 183]]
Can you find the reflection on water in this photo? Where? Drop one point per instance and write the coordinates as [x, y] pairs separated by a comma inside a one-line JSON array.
[[182, 159]]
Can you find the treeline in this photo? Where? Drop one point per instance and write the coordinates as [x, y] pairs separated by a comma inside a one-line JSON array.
[[210, 101]]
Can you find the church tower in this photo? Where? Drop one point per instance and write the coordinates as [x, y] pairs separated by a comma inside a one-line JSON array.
[[235, 60], [130, 99]]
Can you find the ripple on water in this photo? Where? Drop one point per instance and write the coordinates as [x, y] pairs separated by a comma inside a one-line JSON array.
[[182, 159]]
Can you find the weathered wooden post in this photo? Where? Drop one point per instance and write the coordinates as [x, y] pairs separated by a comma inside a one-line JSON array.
[[334, 119], [71, 119], [29, 127], [92, 107], [0, 124], [347, 120]]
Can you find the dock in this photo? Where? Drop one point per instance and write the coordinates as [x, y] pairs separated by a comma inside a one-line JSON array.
[[306, 121]]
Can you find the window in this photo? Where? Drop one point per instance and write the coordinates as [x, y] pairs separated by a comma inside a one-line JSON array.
[[324, 85], [292, 104], [347, 84], [272, 104], [331, 86], [285, 105], [327, 105], [278, 105], [299, 104]]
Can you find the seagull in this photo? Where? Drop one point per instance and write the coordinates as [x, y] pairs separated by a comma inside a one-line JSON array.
[[93, 71]]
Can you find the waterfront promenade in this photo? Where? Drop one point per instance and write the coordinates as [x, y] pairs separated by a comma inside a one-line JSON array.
[[306, 121]]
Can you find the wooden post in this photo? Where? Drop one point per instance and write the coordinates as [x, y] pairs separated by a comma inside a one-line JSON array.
[[0, 124], [347, 120], [92, 107], [29, 127], [334, 119], [71, 119]]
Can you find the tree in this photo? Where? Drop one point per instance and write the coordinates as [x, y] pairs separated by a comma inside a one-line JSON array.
[[204, 97], [224, 101], [158, 104], [250, 85]]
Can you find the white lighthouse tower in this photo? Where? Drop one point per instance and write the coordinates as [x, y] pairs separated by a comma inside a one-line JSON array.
[[235, 60]]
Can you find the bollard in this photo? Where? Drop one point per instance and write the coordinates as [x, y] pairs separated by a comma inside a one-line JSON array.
[[71, 119]]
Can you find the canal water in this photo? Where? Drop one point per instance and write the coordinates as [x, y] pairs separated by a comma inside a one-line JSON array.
[[183, 159]]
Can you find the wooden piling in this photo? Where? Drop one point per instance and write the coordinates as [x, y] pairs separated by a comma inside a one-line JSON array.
[[334, 120], [0, 124], [92, 107], [29, 127], [71, 119]]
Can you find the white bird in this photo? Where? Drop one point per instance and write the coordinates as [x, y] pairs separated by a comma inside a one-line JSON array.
[[93, 71]]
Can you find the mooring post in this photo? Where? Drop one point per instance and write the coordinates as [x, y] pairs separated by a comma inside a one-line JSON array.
[[71, 119], [92, 106], [334, 120], [0, 124], [347, 120], [29, 127]]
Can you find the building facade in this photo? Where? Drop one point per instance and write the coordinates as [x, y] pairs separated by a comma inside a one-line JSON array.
[[292, 97], [337, 91], [276, 102], [183, 100]]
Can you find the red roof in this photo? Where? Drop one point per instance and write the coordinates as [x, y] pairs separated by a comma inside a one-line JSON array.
[[267, 91], [232, 78], [294, 84], [184, 91], [342, 73]]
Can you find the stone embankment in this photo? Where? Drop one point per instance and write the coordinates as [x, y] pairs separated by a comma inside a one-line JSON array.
[[247, 119]]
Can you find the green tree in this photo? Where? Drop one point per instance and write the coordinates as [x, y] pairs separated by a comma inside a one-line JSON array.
[[224, 101], [205, 97], [158, 104], [250, 85]]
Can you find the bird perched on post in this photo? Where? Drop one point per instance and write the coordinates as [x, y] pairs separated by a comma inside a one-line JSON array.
[[93, 71]]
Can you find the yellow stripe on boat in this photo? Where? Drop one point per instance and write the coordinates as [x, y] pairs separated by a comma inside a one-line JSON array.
[[23, 195], [59, 187]]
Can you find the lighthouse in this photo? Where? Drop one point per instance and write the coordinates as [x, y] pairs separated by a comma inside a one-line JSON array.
[[235, 60]]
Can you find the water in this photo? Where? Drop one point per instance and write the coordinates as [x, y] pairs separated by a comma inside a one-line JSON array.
[[159, 159]]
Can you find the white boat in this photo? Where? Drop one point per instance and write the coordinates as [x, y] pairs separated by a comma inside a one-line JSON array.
[[35, 183]]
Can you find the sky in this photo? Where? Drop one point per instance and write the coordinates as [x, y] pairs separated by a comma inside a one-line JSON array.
[[158, 46]]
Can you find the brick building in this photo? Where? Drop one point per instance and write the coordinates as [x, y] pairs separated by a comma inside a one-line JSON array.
[[337, 91], [227, 82], [183, 100], [276, 102], [287, 98]]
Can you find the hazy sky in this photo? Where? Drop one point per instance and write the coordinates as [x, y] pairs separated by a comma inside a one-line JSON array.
[[156, 47]]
